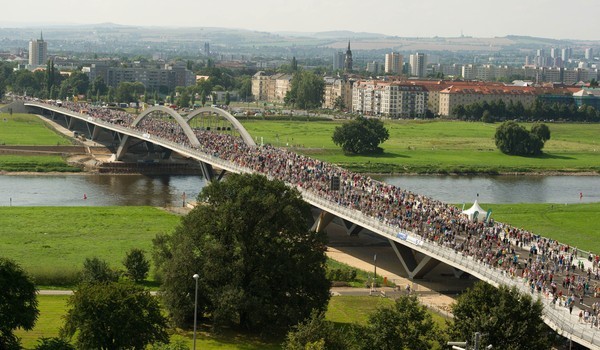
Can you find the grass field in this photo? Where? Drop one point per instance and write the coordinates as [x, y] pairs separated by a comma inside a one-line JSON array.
[[341, 310], [15, 163], [438, 147], [28, 130], [52, 242]]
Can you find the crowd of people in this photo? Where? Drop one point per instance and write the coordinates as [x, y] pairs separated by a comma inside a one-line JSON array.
[[547, 266]]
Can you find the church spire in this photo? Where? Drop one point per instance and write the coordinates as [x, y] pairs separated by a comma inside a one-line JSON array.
[[348, 59]]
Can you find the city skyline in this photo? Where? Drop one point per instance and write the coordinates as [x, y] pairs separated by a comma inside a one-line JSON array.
[[538, 18]]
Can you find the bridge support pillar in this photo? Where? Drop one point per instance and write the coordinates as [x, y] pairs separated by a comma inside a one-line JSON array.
[[207, 171], [95, 132], [352, 229], [416, 269], [70, 123], [324, 219], [123, 146]]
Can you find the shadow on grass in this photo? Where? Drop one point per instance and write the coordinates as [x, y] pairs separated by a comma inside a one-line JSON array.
[[552, 156], [377, 155]]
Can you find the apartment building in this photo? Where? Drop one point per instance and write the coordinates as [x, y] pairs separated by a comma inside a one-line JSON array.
[[169, 76], [394, 63], [389, 99], [270, 88], [335, 88]]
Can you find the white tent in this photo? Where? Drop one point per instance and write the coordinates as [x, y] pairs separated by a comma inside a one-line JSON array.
[[472, 210]]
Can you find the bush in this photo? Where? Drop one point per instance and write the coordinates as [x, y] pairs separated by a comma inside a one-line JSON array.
[[53, 344], [136, 264], [96, 270]]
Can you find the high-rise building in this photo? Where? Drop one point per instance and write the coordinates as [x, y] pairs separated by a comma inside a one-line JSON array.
[[566, 53], [393, 63], [373, 67], [418, 65], [348, 59], [38, 51], [338, 60], [207, 49], [589, 53]]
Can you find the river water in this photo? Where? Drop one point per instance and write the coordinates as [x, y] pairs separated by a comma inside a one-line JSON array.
[[104, 190]]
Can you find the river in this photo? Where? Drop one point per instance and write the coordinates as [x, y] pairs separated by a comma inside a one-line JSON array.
[[105, 190]]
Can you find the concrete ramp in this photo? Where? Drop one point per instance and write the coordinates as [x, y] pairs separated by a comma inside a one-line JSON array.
[[17, 107]]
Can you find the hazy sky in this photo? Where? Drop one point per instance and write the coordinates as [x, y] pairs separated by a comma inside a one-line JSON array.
[[557, 19]]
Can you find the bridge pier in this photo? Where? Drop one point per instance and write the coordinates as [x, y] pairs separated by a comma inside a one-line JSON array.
[[325, 218], [70, 122], [95, 132], [352, 229], [416, 269]]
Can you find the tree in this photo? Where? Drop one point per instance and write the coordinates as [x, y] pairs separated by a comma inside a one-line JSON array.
[[306, 90], [18, 303], [506, 318], [136, 264], [260, 268], [405, 325], [541, 130], [512, 138], [114, 315], [97, 270], [203, 98], [316, 329], [361, 135], [227, 98]]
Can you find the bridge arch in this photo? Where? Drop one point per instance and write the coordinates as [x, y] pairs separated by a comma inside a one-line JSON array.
[[236, 123], [178, 118]]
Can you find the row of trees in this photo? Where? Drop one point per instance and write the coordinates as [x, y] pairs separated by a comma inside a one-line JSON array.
[[494, 111], [506, 319]]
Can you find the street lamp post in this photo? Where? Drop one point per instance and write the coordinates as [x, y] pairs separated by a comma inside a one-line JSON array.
[[375, 271], [196, 276]]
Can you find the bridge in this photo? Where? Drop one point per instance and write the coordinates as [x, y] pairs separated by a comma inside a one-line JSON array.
[[419, 245]]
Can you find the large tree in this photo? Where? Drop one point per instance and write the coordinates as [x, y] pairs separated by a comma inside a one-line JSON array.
[[506, 318], [260, 267], [18, 303], [306, 90], [112, 315], [405, 325], [361, 135], [512, 138]]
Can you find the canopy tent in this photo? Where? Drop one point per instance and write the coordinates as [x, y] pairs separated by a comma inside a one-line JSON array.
[[475, 209]]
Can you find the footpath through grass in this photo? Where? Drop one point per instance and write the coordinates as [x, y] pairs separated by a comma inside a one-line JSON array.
[[51, 243], [438, 147]]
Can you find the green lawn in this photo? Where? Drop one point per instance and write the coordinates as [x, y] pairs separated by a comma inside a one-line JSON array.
[[15, 163], [341, 310], [438, 147], [574, 224], [28, 130], [52, 242]]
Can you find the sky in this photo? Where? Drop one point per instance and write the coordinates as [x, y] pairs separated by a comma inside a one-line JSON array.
[[556, 19]]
